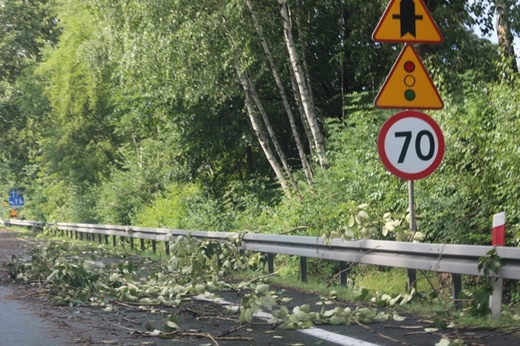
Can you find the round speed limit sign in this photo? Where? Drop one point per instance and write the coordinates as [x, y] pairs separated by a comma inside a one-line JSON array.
[[411, 145]]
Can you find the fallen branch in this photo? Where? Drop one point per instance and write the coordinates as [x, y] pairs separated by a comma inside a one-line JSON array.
[[234, 330], [134, 331], [180, 333], [131, 321], [398, 342]]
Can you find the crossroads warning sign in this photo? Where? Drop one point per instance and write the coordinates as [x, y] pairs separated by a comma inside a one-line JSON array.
[[407, 21], [408, 85]]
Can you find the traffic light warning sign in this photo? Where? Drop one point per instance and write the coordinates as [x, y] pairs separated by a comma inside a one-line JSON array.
[[407, 21], [408, 85]]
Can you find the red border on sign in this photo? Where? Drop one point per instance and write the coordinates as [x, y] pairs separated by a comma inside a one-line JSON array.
[[381, 145]]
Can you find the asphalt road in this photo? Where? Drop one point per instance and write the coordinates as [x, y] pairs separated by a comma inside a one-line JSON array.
[[21, 326]]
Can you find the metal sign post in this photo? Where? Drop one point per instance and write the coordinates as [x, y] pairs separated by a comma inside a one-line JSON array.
[[412, 273], [410, 144]]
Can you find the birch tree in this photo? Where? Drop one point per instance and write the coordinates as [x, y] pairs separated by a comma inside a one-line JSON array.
[[303, 86], [283, 95], [259, 132]]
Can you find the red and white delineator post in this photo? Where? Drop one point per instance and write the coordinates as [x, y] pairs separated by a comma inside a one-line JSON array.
[[497, 239], [499, 229]]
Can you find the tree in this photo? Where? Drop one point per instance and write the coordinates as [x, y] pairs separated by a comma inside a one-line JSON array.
[[302, 84], [26, 27], [507, 22], [283, 95], [504, 34], [80, 139]]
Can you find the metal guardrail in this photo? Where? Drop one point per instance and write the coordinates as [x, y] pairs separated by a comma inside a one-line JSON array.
[[447, 258]]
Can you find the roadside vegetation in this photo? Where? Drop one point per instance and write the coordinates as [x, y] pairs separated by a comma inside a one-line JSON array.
[[252, 116]]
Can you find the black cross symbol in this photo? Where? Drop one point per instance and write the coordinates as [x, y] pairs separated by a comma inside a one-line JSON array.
[[407, 17]]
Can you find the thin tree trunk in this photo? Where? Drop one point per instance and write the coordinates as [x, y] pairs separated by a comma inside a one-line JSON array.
[[270, 131], [505, 37], [259, 132], [256, 122], [281, 89], [298, 100], [310, 111]]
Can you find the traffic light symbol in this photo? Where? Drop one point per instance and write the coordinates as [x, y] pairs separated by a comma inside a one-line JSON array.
[[409, 80], [408, 85]]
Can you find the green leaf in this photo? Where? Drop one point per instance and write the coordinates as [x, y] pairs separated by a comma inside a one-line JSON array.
[[172, 324]]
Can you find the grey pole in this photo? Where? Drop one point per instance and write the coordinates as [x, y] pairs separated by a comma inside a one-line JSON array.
[[412, 273]]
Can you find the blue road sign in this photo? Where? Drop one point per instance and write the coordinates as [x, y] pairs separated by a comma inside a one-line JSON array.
[[16, 199]]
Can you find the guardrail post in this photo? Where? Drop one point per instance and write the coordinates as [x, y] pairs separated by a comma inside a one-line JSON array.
[[412, 280], [270, 263], [99, 238], [343, 271], [114, 240], [154, 245], [167, 247], [142, 244], [132, 243], [303, 269], [495, 300], [456, 288]]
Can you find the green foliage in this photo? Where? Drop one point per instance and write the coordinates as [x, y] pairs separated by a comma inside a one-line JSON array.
[[135, 117], [480, 292], [476, 178], [301, 316], [490, 263], [171, 209], [130, 113], [205, 260], [71, 281]]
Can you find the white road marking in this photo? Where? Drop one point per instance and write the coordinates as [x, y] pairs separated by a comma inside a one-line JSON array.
[[313, 331]]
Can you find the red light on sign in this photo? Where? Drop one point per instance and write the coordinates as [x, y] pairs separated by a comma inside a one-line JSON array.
[[409, 66]]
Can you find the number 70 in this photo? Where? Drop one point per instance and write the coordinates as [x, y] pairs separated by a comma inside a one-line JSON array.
[[418, 139]]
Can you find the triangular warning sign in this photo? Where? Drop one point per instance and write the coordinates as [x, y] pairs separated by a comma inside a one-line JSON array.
[[408, 85], [407, 21]]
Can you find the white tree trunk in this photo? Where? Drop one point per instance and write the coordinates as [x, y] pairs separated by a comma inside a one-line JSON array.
[[270, 131], [303, 88], [285, 101], [260, 133]]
